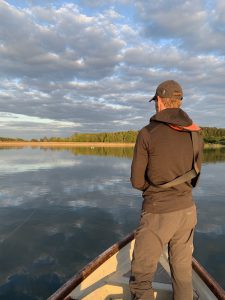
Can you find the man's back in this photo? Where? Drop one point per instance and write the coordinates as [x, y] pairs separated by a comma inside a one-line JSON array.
[[170, 155]]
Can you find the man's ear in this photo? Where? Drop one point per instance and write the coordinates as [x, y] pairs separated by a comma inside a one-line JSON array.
[[160, 104]]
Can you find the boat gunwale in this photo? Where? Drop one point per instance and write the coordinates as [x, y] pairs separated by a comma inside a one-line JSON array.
[[72, 283], [211, 283]]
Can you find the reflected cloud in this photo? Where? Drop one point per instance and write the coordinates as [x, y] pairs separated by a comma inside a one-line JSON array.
[[211, 229], [52, 215], [26, 160], [50, 250]]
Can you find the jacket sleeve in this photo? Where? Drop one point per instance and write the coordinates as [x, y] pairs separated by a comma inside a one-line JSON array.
[[139, 163]]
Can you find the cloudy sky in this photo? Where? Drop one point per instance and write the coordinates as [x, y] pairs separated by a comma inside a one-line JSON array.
[[91, 66]]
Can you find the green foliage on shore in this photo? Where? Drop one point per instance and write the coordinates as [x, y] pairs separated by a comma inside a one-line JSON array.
[[102, 137], [211, 135], [6, 139]]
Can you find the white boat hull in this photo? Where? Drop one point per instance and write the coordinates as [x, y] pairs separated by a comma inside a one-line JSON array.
[[107, 278]]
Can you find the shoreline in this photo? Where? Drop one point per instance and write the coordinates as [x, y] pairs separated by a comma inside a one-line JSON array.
[[64, 144], [82, 144], [213, 146]]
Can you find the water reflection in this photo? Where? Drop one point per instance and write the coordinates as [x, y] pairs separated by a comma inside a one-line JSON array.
[[210, 154], [126, 152], [59, 210], [51, 246], [214, 155]]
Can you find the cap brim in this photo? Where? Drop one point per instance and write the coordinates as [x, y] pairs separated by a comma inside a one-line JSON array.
[[153, 98]]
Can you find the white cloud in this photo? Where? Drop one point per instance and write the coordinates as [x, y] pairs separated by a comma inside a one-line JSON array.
[[195, 28], [68, 44], [6, 117], [14, 124], [97, 66]]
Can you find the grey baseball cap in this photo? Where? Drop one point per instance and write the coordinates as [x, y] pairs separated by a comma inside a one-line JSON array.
[[168, 89]]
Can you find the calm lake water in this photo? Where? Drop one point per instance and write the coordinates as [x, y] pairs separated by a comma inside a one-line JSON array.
[[60, 208]]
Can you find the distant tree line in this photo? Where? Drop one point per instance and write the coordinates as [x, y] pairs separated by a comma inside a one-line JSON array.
[[5, 139], [211, 135], [102, 137]]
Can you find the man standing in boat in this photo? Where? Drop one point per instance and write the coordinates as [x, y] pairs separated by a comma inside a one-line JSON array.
[[165, 167]]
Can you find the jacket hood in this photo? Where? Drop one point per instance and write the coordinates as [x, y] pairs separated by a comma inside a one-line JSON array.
[[173, 116]]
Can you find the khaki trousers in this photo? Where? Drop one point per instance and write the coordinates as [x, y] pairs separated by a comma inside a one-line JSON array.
[[154, 232]]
